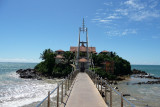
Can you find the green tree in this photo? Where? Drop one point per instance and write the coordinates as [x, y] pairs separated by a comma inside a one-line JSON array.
[[49, 61], [68, 57]]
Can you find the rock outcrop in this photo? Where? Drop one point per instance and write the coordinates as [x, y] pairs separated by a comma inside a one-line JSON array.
[[28, 74], [142, 74], [148, 82]]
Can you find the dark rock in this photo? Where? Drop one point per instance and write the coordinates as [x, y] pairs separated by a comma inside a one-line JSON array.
[[115, 83], [115, 87], [135, 71], [38, 78], [142, 74], [126, 95], [28, 74], [102, 93], [148, 82]]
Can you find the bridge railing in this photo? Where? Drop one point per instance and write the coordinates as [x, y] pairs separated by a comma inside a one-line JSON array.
[[55, 97], [112, 97]]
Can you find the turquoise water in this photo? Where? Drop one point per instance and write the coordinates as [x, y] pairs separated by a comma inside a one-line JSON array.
[[7, 68], [17, 92], [151, 69]]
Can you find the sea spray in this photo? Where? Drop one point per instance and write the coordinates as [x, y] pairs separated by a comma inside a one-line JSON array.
[[16, 92]]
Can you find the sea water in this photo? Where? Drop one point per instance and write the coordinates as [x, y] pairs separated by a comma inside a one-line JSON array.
[[151, 69], [145, 95], [17, 92]]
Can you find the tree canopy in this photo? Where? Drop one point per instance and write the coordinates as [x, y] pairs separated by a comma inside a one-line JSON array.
[[121, 66], [48, 66]]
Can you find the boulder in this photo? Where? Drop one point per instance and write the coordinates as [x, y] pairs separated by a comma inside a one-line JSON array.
[[28, 73], [126, 95]]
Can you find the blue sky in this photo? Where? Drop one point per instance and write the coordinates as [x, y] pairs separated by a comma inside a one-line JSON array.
[[131, 28]]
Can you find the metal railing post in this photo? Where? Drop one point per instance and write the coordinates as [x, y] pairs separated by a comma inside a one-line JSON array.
[[95, 79], [101, 86], [58, 95], [66, 86], [62, 93], [72, 78], [110, 97], [105, 92], [68, 82], [48, 99], [121, 99], [98, 83]]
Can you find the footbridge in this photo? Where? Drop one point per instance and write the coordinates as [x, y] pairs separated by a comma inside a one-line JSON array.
[[84, 89]]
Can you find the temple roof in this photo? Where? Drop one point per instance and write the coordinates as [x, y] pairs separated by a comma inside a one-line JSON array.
[[82, 60], [83, 49], [104, 51], [59, 50]]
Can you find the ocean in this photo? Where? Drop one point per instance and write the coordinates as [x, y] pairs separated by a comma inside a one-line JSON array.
[[18, 92], [145, 95], [151, 69]]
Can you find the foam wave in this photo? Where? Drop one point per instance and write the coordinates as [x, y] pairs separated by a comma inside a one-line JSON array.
[[23, 93]]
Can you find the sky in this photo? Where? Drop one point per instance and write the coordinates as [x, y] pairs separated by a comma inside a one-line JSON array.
[[131, 28]]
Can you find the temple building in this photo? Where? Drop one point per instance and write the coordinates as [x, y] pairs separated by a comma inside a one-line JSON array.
[[83, 53]]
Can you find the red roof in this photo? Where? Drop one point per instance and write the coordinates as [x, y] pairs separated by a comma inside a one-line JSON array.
[[83, 49], [59, 56], [82, 60], [104, 51], [59, 50]]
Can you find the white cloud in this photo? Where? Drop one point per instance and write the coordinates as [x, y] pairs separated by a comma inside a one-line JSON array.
[[129, 31], [135, 4], [108, 3], [125, 12], [138, 11], [122, 11], [18, 60], [104, 21], [139, 16], [114, 16], [135, 10], [125, 32], [101, 20], [153, 4]]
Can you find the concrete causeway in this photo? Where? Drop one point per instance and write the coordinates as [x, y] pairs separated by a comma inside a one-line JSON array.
[[85, 93]]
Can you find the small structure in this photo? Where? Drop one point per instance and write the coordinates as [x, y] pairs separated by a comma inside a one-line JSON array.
[[59, 52], [59, 57], [110, 67], [105, 52]]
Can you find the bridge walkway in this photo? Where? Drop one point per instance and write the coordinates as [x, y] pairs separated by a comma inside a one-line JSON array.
[[84, 93]]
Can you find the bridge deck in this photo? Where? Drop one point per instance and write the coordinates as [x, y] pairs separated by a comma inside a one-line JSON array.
[[84, 93]]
